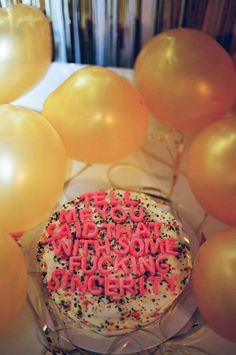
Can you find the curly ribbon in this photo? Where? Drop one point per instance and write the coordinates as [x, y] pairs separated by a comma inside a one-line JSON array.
[[151, 191], [175, 159]]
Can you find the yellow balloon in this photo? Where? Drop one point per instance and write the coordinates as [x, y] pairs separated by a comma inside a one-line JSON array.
[[69, 168], [25, 50], [32, 168], [234, 59], [13, 281], [211, 169], [99, 115], [186, 79], [214, 282]]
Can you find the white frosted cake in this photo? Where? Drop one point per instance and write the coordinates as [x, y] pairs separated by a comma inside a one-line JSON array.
[[113, 261]]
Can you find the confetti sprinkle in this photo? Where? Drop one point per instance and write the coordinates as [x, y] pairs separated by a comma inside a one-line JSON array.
[[142, 285]]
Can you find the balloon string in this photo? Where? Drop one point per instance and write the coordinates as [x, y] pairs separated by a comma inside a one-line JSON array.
[[175, 166], [131, 166], [162, 161], [199, 233], [178, 160]]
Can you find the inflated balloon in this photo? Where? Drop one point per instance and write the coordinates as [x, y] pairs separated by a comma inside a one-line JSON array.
[[69, 168], [211, 169], [32, 168], [25, 50], [234, 59], [214, 283], [13, 281], [186, 79], [99, 115]]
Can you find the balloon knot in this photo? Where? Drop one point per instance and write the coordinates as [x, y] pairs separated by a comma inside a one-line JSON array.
[[16, 235], [202, 239]]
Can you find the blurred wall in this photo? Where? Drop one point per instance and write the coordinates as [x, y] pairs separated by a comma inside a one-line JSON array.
[[111, 32]]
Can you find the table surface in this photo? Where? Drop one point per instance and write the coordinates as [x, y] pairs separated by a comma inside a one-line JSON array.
[[144, 168]]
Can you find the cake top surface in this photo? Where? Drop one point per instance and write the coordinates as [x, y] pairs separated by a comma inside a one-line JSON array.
[[113, 261]]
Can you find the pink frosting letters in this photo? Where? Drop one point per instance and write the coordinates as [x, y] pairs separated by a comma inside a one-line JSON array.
[[102, 248], [90, 230], [74, 262], [95, 284], [136, 217], [147, 265], [85, 215], [55, 282], [77, 284], [114, 214], [63, 247], [124, 246], [136, 247], [99, 198], [87, 198], [142, 230], [128, 201], [68, 216], [104, 260], [102, 211], [161, 266], [127, 285], [111, 286], [52, 235], [93, 267], [171, 246], [121, 263]]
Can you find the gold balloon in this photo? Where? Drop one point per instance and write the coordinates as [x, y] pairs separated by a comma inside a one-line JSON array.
[[234, 59], [99, 115], [32, 168], [211, 169], [25, 50], [186, 79], [13, 281], [69, 168], [214, 282]]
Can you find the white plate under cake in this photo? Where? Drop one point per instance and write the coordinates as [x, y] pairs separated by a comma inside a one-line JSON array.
[[113, 261]]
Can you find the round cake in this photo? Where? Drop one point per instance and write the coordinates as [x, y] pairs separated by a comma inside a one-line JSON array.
[[113, 261]]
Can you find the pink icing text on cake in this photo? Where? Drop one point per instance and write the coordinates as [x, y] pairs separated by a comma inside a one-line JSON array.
[[107, 267]]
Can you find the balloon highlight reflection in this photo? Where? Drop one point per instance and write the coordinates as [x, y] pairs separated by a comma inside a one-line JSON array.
[[214, 282], [25, 50], [211, 169], [32, 168], [13, 281], [99, 115], [186, 79]]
